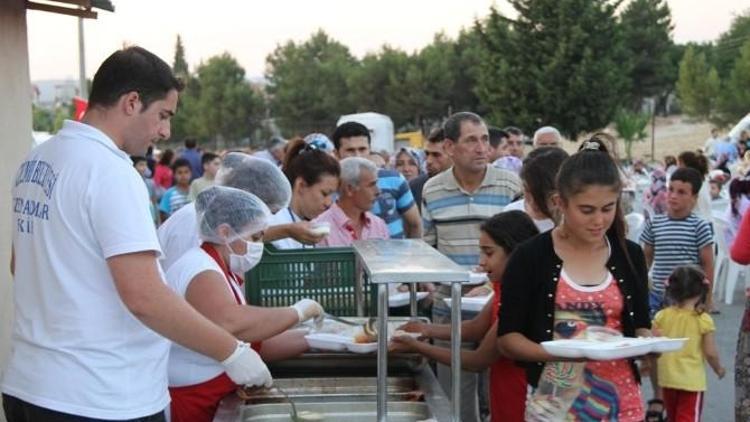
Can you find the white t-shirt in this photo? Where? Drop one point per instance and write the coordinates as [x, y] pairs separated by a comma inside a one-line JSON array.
[[187, 367], [77, 200], [178, 235], [543, 225], [286, 216]]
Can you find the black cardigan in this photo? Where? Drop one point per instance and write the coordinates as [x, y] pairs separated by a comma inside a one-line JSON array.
[[530, 283]]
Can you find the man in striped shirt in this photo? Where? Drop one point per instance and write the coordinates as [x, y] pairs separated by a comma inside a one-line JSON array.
[[678, 237], [454, 204]]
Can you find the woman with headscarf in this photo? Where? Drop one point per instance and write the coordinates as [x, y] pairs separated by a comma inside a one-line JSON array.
[[655, 197], [409, 163]]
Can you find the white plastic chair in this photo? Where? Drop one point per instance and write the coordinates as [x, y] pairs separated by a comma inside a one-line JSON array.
[[726, 271], [635, 222]]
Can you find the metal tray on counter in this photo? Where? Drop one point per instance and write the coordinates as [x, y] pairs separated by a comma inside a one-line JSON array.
[[332, 412], [355, 389]]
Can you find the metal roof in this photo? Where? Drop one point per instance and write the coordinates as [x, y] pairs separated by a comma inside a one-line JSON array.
[[79, 8]]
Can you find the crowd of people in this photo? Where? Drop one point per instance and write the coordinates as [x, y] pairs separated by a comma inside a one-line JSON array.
[[129, 266]]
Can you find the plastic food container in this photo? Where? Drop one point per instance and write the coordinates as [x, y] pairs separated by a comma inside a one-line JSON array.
[[321, 228], [325, 341], [396, 300], [625, 347]]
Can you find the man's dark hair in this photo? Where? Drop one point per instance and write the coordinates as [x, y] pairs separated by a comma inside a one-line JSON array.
[[207, 157], [512, 130], [688, 175], [190, 143], [181, 162], [436, 136], [452, 126], [132, 69], [496, 136], [349, 130]]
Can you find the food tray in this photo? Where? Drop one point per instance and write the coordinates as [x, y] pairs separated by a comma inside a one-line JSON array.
[[473, 304], [475, 279], [622, 348], [399, 299]]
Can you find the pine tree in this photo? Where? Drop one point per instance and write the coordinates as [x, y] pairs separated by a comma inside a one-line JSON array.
[[558, 63], [180, 66], [735, 102], [698, 85], [646, 30]]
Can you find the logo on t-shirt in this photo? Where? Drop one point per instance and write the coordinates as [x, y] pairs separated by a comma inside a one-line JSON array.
[[39, 173]]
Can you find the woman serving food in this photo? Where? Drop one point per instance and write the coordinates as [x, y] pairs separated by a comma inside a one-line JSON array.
[[231, 224]]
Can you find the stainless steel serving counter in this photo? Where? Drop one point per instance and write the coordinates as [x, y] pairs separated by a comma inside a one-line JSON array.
[[411, 261], [416, 397]]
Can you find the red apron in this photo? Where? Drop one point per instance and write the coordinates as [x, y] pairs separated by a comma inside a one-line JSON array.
[[507, 381], [198, 402]]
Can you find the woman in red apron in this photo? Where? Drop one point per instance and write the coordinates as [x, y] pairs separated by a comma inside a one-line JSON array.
[[231, 224], [498, 238]]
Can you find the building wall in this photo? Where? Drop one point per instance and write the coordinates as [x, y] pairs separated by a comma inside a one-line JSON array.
[[15, 121]]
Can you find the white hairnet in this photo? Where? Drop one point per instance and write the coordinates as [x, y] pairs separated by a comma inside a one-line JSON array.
[[257, 176], [244, 213]]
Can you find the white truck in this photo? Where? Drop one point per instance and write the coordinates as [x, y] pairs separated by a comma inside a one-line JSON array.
[[380, 126]]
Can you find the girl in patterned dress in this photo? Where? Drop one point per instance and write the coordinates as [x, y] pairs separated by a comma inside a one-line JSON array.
[[559, 285]]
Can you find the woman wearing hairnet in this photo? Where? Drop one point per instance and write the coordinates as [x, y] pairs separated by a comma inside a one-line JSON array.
[[231, 224]]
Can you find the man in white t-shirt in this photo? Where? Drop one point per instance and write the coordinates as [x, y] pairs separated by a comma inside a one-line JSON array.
[[91, 307]]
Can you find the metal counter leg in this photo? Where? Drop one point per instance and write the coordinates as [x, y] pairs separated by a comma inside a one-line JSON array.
[[382, 352], [456, 351]]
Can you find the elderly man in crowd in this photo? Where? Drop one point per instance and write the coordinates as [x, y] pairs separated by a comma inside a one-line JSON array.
[[547, 136], [455, 203], [349, 217]]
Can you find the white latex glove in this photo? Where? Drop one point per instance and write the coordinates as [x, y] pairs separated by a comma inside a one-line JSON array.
[[245, 367], [308, 308]]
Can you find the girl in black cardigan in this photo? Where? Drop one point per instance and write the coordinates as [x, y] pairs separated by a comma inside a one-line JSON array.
[[583, 273]]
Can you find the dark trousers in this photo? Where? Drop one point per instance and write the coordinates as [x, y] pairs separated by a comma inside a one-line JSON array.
[[17, 410]]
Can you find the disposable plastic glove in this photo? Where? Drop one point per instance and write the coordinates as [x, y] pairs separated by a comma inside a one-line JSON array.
[[245, 367], [308, 308]]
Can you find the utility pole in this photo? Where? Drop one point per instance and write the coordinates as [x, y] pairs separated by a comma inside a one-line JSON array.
[[83, 86]]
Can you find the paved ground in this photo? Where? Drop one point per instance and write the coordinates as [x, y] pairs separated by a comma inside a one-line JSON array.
[[719, 401]]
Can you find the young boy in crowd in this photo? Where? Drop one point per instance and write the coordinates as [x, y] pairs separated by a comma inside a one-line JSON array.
[[678, 237], [141, 165], [210, 163], [176, 196]]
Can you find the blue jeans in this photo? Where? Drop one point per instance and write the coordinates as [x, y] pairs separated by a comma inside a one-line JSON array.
[[17, 410]]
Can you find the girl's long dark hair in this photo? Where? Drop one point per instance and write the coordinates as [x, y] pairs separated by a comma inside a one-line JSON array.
[[308, 162], [592, 165]]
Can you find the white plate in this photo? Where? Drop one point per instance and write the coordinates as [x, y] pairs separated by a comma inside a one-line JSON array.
[[402, 333], [362, 347], [402, 298], [473, 304], [325, 341], [610, 350], [476, 278]]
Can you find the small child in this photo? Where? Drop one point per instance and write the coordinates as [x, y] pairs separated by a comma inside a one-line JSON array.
[[177, 196], [211, 163], [682, 374]]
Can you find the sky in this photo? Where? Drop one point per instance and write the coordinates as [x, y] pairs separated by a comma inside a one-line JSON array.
[[251, 30]]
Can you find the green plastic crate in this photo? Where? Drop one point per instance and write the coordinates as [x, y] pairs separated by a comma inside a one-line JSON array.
[[327, 275]]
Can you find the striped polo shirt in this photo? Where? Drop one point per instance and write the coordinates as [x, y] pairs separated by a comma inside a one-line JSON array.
[[676, 242], [451, 216], [395, 199]]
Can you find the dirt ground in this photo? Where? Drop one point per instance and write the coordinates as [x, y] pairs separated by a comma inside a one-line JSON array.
[[672, 135]]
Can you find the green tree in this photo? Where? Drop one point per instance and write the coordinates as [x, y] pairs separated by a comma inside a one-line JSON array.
[[220, 104], [377, 80], [307, 84], [42, 119], [698, 85], [180, 66], [631, 127], [735, 101], [468, 52], [730, 44], [558, 63], [646, 30]]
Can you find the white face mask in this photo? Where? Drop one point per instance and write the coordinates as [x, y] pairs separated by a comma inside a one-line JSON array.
[[240, 264]]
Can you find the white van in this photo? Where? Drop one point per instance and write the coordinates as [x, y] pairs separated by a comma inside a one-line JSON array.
[[381, 129]]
